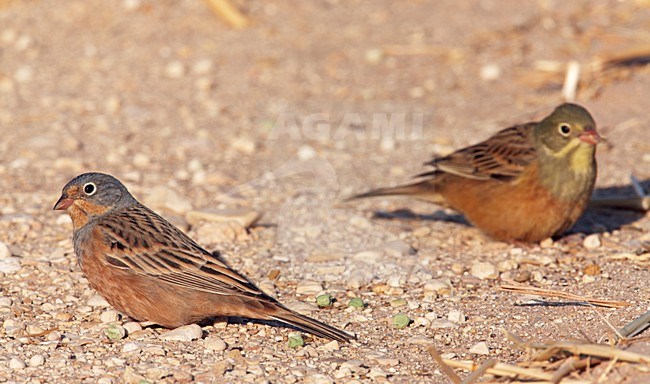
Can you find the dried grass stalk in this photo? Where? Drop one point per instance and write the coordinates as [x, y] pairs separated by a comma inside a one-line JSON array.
[[563, 295]]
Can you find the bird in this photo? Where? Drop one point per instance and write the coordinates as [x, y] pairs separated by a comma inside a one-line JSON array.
[[151, 271], [526, 183]]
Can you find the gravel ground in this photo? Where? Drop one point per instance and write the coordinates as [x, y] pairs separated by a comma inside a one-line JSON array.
[[285, 119]]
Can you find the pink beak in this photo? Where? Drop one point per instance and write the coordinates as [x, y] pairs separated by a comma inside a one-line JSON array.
[[63, 203], [590, 136]]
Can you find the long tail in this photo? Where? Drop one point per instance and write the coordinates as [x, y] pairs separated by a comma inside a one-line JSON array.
[[425, 190], [309, 325]]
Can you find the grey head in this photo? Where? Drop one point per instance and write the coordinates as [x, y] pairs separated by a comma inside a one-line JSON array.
[[94, 192]]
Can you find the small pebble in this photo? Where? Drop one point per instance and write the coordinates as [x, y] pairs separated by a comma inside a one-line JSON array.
[[331, 346], [400, 321], [592, 241], [398, 302], [308, 287], [438, 286], [10, 265], [4, 251], [480, 348], [243, 145], [215, 343], [324, 300], [592, 269], [184, 333], [115, 332], [490, 72], [5, 302], [370, 257], [295, 340], [36, 361], [109, 316], [456, 317], [131, 347], [132, 327], [306, 152], [546, 243], [376, 372], [484, 271], [16, 363], [175, 70]]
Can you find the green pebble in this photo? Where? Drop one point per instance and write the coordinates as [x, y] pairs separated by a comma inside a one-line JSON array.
[[401, 321], [356, 303], [398, 303], [115, 332], [296, 341], [324, 300]]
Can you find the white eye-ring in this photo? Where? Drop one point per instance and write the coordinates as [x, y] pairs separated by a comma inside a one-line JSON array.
[[564, 129], [90, 189]]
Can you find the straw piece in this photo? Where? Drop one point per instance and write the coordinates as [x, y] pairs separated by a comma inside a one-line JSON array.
[[228, 13], [555, 293]]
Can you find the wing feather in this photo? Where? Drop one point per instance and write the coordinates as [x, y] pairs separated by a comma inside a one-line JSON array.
[[503, 156], [142, 242]]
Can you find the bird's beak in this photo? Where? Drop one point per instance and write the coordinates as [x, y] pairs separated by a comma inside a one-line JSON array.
[[589, 136], [64, 203]]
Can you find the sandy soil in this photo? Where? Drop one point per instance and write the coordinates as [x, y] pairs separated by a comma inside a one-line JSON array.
[[288, 117]]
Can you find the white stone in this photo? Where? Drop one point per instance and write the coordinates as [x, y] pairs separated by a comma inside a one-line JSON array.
[[36, 361], [184, 333], [484, 270], [5, 302], [308, 287], [132, 346], [455, 316], [306, 152], [244, 145], [175, 70], [370, 257], [97, 301], [376, 372], [480, 348], [202, 67], [16, 363], [109, 316], [437, 285], [318, 378], [9, 265], [592, 241], [490, 72], [4, 251], [132, 326], [331, 346], [215, 343], [301, 307]]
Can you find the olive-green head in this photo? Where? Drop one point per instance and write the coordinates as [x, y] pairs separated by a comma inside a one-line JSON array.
[[570, 127]]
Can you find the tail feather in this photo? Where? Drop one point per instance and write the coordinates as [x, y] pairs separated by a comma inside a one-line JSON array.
[[315, 327], [425, 190]]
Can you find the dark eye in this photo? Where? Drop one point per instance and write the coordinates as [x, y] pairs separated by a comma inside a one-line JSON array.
[[564, 129], [90, 189]]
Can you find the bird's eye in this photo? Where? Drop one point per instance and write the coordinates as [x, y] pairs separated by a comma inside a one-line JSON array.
[[564, 129], [90, 189]]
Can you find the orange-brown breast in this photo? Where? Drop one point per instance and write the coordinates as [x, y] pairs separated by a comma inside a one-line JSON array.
[[521, 209]]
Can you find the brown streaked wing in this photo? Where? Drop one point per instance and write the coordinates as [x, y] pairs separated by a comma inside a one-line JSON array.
[[141, 241], [502, 156]]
